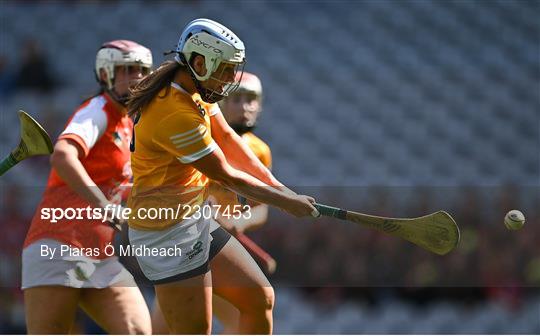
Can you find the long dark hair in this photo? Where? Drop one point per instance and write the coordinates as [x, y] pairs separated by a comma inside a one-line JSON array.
[[141, 95]]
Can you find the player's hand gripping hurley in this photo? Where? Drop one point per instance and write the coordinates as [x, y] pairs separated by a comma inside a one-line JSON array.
[[437, 232], [34, 141]]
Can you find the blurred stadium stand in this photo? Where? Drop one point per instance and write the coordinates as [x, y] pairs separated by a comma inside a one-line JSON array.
[[439, 98], [373, 78]]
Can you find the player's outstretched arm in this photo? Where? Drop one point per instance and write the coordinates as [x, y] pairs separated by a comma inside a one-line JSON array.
[[216, 167]]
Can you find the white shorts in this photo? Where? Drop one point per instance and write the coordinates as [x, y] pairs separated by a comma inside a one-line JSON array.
[[191, 237], [70, 271]]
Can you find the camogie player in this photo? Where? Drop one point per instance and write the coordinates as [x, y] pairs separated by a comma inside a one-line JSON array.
[[241, 110], [66, 262], [179, 143]]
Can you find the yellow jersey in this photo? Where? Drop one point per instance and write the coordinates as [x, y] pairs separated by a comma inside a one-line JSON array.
[[172, 132], [227, 198]]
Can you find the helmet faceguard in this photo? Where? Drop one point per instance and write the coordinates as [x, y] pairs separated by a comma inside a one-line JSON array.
[[217, 44], [120, 53]]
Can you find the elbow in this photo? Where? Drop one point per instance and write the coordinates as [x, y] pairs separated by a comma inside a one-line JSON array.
[[59, 158], [56, 158]]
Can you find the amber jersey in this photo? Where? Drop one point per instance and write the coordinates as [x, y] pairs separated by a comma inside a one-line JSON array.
[[172, 132], [227, 198], [104, 133]]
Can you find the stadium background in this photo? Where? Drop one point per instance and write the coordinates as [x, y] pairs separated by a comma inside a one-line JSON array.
[[396, 108]]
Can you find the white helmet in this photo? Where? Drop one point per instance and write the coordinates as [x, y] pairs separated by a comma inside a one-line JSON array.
[[250, 83], [217, 44], [120, 53]]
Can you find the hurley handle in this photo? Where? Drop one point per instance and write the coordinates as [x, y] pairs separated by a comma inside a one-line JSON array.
[[7, 163], [330, 211]]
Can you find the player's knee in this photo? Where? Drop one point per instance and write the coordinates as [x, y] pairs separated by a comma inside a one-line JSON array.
[[140, 330], [263, 300], [261, 314], [269, 298], [135, 328]]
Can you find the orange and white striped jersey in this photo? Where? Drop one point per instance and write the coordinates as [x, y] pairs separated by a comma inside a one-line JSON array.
[[172, 132], [227, 198]]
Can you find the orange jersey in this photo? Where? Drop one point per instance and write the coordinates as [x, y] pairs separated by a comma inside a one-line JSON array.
[[224, 196], [104, 135], [260, 148], [171, 133]]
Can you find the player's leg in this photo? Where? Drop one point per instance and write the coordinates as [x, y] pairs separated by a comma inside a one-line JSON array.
[[50, 309], [118, 310], [239, 280], [187, 304], [159, 325], [183, 283], [51, 289], [227, 314]]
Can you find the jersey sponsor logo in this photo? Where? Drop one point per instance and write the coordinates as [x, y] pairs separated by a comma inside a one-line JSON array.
[[117, 139], [121, 137], [197, 248]]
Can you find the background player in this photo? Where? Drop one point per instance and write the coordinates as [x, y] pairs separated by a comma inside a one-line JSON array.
[[89, 164], [241, 110]]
